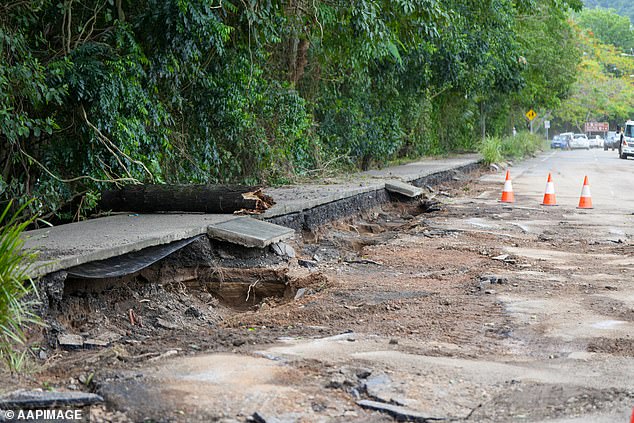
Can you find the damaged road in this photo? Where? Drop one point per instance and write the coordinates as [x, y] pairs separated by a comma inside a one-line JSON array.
[[453, 308]]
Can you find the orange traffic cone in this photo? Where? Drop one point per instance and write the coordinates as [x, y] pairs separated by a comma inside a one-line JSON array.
[[549, 195], [507, 192], [585, 202]]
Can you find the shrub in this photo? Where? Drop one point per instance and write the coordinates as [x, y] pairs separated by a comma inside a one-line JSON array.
[[522, 145], [16, 289], [491, 150]]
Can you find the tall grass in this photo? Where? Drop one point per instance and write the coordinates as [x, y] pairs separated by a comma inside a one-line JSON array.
[[17, 290], [494, 149], [491, 150]]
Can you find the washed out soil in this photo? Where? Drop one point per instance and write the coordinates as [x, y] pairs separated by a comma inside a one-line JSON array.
[[408, 270]]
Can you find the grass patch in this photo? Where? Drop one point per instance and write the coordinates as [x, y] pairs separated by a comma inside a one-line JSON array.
[[524, 144], [17, 290]]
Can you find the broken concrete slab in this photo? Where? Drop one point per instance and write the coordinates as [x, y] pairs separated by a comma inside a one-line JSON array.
[[45, 399], [299, 199], [398, 412], [402, 188], [70, 341], [249, 232], [66, 246]]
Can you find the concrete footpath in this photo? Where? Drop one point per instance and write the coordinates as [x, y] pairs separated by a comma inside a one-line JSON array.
[[66, 246]]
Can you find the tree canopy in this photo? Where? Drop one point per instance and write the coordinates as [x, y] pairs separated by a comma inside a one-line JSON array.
[[622, 7], [608, 27], [105, 92]]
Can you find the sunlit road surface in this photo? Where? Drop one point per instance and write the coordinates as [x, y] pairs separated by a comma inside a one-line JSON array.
[[611, 179]]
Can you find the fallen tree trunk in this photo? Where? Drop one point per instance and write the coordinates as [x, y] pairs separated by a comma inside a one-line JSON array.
[[186, 198]]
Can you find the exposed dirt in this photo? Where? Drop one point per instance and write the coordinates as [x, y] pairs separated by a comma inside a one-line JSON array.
[[474, 310]]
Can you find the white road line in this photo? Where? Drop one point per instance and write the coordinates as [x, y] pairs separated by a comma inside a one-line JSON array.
[[549, 156]]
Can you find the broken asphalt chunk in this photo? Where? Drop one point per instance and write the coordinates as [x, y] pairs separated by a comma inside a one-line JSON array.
[[29, 400], [398, 412]]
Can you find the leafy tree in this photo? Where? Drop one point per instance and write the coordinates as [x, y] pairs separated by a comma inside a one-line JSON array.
[[603, 88], [108, 92], [608, 27], [622, 7]]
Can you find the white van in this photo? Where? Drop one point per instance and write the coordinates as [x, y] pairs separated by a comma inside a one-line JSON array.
[[627, 149]]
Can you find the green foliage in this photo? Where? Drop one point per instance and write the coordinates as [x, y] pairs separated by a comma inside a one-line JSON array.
[[622, 7], [491, 150], [15, 289], [97, 93], [524, 144], [608, 27], [603, 89]]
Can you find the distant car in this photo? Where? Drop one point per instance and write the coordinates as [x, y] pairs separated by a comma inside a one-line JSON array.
[[567, 140], [580, 141], [611, 141], [596, 142], [559, 141]]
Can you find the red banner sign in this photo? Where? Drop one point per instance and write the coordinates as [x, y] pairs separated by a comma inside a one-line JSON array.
[[596, 127]]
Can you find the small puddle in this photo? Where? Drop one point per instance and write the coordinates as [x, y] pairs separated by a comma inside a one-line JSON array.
[[607, 324]]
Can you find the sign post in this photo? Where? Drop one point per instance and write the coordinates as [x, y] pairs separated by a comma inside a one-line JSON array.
[[530, 115], [547, 126]]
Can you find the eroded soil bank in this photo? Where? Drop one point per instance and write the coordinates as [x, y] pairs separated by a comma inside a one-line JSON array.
[[456, 308]]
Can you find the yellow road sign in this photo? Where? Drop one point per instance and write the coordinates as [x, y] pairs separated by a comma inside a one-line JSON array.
[[531, 114]]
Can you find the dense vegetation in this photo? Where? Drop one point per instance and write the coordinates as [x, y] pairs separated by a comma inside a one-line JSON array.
[[105, 92], [17, 291], [604, 87], [622, 7]]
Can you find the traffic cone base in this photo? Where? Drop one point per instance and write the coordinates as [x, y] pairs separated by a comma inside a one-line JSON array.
[[507, 193], [549, 195], [585, 202]]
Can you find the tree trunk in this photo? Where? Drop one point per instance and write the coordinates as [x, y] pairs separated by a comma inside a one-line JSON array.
[[483, 120], [186, 198]]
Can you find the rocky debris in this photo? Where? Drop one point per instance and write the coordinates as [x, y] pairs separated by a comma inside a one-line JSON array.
[[371, 228], [30, 400], [504, 258], [194, 312], [282, 249], [51, 292], [95, 343], [70, 341], [487, 280], [166, 354], [309, 264], [494, 279], [398, 412], [381, 388], [167, 325], [429, 204], [300, 293], [260, 417]]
